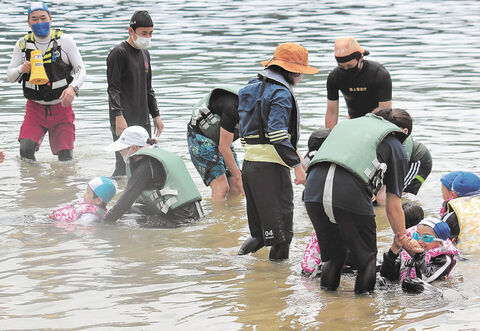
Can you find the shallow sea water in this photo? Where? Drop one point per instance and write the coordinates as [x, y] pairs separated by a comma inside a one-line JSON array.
[[124, 276]]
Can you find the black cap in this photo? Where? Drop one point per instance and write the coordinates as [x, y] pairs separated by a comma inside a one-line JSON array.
[[141, 19]]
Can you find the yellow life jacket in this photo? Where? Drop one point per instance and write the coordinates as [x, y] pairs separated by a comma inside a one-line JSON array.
[[59, 73], [467, 210]]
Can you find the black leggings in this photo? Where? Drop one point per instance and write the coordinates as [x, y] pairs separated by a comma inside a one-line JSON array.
[[353, 234]]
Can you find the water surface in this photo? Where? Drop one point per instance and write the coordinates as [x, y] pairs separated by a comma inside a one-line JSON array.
[[107, 277]]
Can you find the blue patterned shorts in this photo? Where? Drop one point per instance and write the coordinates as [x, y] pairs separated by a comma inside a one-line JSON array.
[[206, 157]]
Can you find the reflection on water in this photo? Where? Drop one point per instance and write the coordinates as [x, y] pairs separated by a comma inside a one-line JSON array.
[[112, 276]]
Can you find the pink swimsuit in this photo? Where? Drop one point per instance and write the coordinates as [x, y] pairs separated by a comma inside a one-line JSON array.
[[75, 210]]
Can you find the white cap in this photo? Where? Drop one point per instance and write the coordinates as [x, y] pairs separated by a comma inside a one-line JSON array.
[[131, 136]]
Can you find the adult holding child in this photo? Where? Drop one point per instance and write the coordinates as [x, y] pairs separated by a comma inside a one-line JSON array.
[[356, 159], [49, 99], [158, 179]]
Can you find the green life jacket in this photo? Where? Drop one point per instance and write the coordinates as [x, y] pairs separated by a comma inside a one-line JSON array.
[[204, 119], [408, 144], [352, 144], [179, 188], [59, 73]]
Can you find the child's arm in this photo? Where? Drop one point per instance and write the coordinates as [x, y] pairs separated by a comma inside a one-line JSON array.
[[87, 219], [390, 268], [438, 267]]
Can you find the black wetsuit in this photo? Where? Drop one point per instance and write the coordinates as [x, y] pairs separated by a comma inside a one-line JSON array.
[[147, 174], [420, 166], [130, 93], [363, 90]]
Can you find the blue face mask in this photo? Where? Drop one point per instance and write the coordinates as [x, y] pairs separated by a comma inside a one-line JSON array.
[[41, 29]]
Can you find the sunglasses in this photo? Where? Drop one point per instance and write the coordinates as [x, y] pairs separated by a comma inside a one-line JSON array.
[[427, 238]]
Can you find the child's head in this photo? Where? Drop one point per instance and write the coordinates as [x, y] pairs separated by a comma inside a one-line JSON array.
[[100, 191], [413, 213], [431, 232], [447, 181], [315, 141], [466, 184]]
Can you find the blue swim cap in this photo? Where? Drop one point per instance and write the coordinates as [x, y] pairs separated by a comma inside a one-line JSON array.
[[38, 5], [103, 187], [466, 184], [447, 179], [440, 227]]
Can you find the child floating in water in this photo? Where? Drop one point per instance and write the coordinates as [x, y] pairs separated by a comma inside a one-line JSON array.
[[436, 262], [92, 207]]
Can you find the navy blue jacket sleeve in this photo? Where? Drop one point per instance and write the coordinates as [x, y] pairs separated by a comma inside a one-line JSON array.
[[277, 127]]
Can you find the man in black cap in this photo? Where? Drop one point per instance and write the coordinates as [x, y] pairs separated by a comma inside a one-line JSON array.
[[365, 85], [129, 74]]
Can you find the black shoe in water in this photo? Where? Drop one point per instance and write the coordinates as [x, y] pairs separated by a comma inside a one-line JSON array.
[[251, 245]]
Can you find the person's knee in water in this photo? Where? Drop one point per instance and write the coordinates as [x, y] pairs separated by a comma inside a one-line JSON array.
[[365, 281], [27, 149], [331, 273], [280, 251], [65, 155]]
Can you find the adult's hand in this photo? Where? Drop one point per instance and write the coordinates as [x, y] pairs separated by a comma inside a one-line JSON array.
[[300, 177], [67, 96], [407, 243], [236, 185], [26, 67], [301, 160], [158, 126], [120, 125]]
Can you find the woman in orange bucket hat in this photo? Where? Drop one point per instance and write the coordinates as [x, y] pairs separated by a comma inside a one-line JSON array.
[[269, 131]]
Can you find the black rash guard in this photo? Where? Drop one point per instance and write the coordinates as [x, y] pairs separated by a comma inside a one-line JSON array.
[[363, 90], [146, 174], [130, 92], [420, 166]]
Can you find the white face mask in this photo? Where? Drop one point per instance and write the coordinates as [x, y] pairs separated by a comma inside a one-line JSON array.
[[141, 42]]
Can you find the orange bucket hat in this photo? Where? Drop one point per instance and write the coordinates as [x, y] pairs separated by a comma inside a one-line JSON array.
[[291, 57], [346, 47]]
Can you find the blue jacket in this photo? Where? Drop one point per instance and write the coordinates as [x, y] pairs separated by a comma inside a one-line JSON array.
[[272, 137]]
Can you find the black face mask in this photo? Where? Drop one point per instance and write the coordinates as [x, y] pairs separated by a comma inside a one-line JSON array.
[[351, 71]]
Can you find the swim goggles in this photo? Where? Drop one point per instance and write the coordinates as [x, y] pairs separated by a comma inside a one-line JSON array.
[[427, 238]]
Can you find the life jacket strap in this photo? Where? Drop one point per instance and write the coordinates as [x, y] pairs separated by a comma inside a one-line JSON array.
[[328, 193]]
